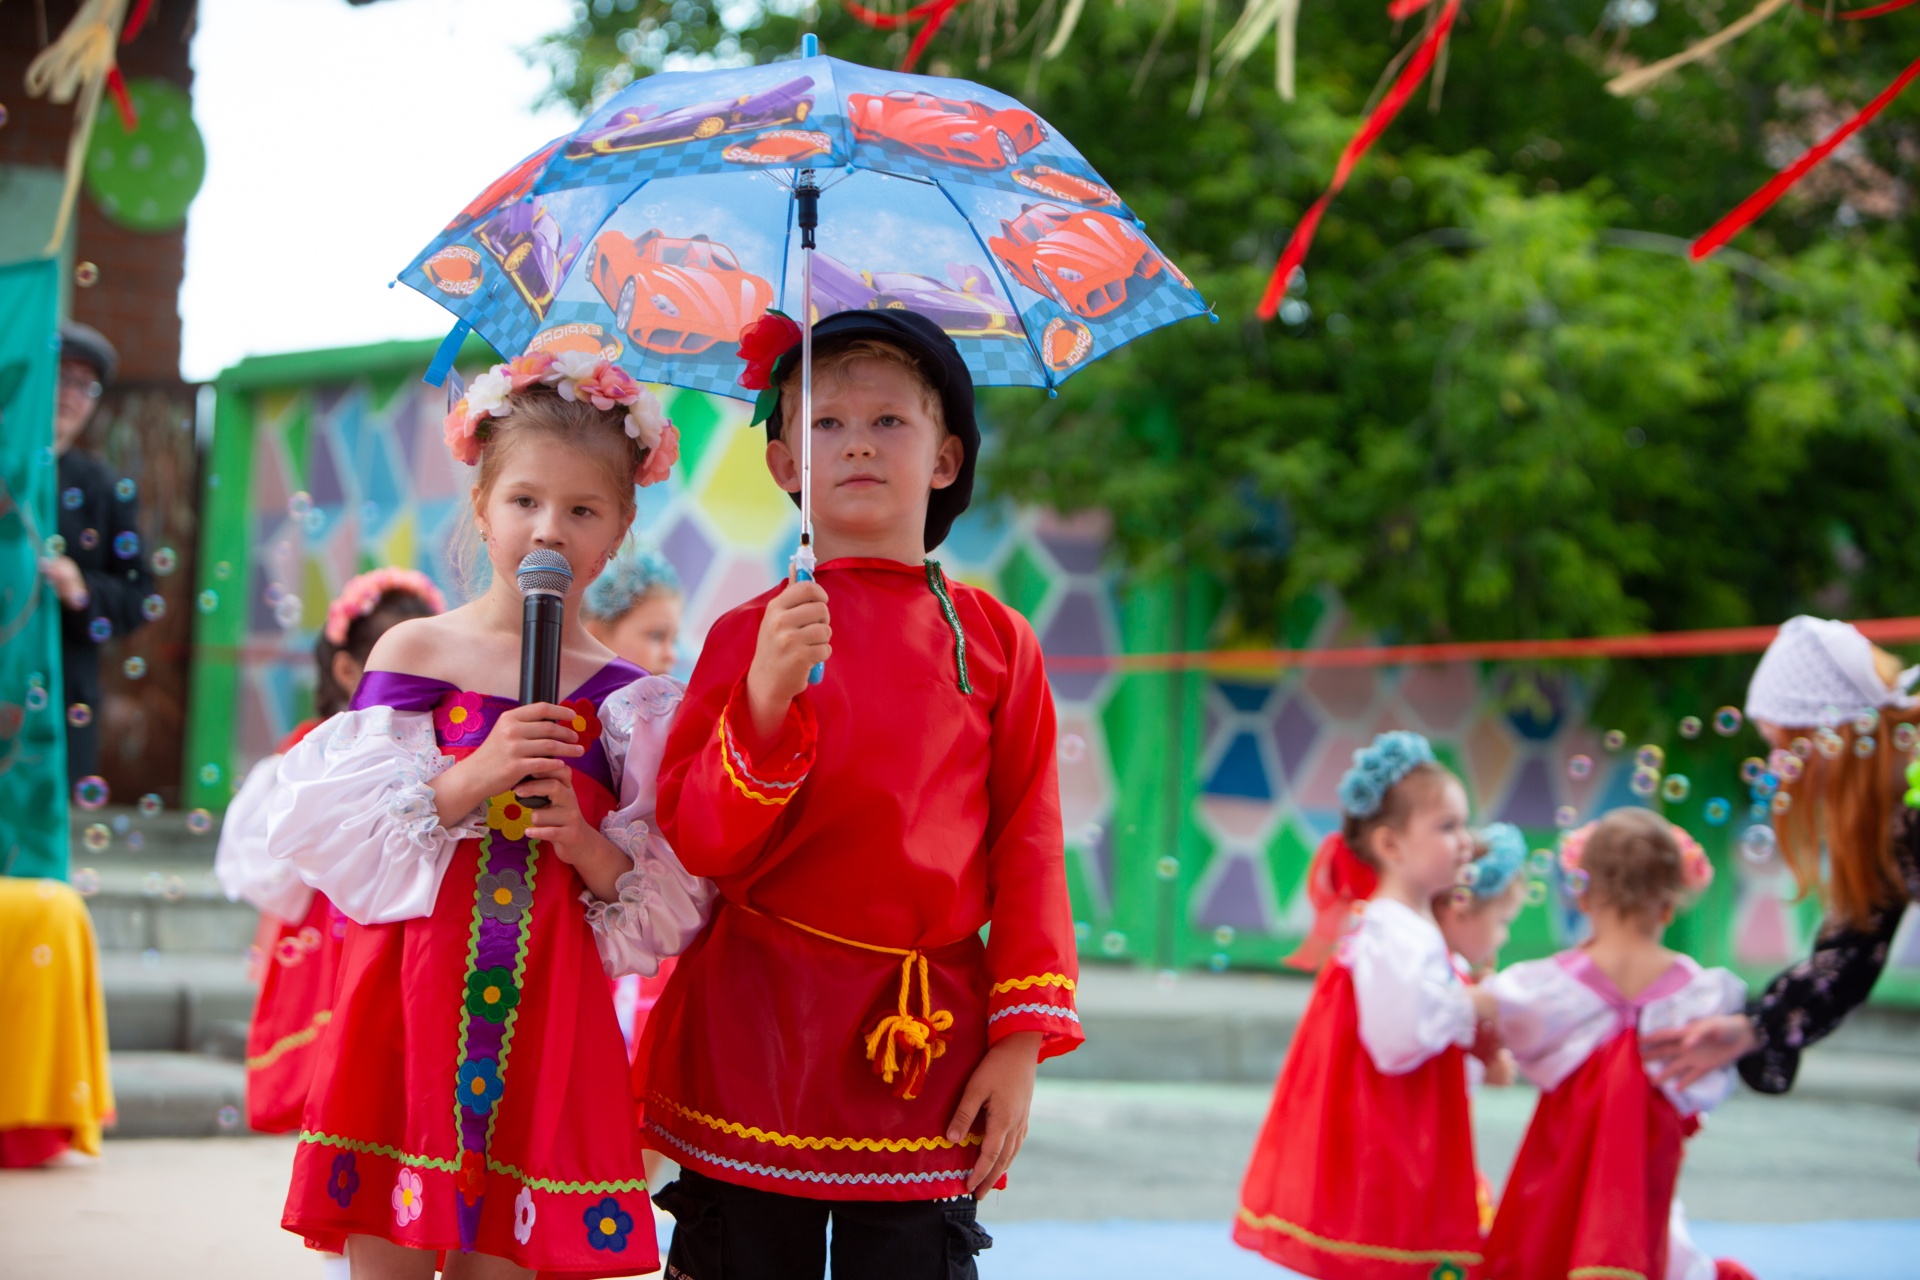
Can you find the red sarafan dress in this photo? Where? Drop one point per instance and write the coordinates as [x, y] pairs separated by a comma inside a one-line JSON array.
[[471, 1088], [1365, 1167], [1591, 1192], [816, 1039], [301, 933]]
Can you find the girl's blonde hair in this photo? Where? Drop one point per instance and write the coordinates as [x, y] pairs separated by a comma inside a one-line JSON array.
[[1634, 864], [1843, 805], [541, 416]]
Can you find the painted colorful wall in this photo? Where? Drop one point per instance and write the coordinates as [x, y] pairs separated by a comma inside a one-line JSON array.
[[1193, 800]]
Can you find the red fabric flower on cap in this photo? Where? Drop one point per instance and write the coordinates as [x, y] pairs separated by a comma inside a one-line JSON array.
[[762, 343]]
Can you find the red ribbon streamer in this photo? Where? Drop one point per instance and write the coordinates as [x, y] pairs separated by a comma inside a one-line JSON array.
[[935, 12], [1763, 199], [1407, 8], [117, 86], [1376, 124], [138, 19], [1859, 15]]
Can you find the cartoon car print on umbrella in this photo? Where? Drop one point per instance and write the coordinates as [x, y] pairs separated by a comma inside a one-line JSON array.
[[959, 132], [526, 241], [966, 308], [782, 146], [1081, 259], [677, 296], [515, 184], [1049, 181], [637, 127]]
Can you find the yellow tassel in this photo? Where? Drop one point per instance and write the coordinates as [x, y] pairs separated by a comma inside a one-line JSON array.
[[911, 1042]]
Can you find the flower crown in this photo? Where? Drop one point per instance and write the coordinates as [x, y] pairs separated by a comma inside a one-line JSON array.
[[1377, 769], [577, 376], [1490, 874], [361, 596], [1696, 872]]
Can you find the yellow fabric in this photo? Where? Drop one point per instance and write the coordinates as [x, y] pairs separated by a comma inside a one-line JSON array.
[[54, 1072]]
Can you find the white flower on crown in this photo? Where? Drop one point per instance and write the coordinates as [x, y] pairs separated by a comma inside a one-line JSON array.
[[488, 394], [572, 368], [646, 421]]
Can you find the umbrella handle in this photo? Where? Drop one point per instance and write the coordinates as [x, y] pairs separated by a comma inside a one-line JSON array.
[[803, 572]]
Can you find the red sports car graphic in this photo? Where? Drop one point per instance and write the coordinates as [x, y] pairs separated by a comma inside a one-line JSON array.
[[960, 132], [1049, 181], [675, 296], [1081, 259], [514, 184]]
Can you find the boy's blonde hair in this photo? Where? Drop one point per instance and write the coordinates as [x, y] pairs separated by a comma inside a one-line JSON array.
[[832, 366]]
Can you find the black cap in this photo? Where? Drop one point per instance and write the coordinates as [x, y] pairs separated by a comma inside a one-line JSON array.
[[940, 364], [89, 346]]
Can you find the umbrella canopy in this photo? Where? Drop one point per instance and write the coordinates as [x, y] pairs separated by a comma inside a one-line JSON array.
[[665, 224]]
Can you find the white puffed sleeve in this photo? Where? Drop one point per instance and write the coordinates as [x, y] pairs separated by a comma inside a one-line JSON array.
[[241, 862], [1711, 992], [1411, 1003], [660, 908], [1549, 1020], [354, 815]]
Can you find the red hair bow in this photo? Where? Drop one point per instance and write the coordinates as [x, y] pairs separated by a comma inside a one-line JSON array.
[[1336, 881]]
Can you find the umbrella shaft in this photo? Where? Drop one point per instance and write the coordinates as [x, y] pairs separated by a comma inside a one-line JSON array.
[[806, 397]]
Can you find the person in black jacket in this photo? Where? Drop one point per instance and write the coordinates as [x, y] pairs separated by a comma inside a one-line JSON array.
[[100, 573]]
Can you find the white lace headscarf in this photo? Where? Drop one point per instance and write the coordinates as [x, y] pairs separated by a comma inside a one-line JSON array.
[[1816, 669]]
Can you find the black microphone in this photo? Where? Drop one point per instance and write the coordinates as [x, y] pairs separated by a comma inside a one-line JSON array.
[[544, 578]]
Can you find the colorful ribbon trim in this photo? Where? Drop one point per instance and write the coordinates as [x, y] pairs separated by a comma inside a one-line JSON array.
[[554, 1185], [288, 1043], [1352, 1249], [937, 583], [1037, 980], [1375, 124], [736, 766], [892, 1146]]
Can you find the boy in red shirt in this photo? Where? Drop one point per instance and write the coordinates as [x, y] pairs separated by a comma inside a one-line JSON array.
[[840, 1042]]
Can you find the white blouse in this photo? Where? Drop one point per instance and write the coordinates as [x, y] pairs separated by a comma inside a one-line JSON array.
[[355, 816], [1412, 1005], [241, 862], [1553, 1019]]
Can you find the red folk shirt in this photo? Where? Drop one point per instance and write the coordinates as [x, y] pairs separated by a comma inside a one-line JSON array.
[[817, 1037]]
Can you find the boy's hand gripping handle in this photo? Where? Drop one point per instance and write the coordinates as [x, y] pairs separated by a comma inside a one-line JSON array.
[[802, 565]]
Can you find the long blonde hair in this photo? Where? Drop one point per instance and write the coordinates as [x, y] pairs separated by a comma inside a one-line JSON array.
[[1844, 804]]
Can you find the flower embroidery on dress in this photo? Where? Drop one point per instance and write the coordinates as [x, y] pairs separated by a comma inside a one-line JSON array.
[[491, 993], [344, 1180], [480, 1085], [586, 719], [508, 816], [459, 718], [471, 1179], [505, 896], [608, 1225], [408, 1193], [523, 1215]]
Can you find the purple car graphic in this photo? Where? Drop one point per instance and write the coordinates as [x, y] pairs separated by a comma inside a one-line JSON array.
[[526, 241], [635, 128], [967, 307]]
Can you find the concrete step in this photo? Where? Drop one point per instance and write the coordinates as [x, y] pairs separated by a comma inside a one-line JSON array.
[[165, 1001], [150, 884], [177, 1095]]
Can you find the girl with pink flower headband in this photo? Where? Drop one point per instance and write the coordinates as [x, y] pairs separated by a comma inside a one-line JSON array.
[[1592, 1190], [496, 857]]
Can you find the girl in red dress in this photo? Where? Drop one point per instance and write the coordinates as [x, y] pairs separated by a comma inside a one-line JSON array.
[[1365, 1167], [300, 931], [1591, 1192], [469, 1106]]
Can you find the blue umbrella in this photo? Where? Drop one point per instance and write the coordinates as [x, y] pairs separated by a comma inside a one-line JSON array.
[[668, 221]]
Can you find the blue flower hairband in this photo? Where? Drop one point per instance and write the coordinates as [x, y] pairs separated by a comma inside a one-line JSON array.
[[1377, 767], [1492, 872], [631, 575]]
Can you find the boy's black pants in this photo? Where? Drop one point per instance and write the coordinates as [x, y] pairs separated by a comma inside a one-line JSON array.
[[726, 1232]]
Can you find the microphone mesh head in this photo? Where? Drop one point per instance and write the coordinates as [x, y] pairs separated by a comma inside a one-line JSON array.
[[544, 572]]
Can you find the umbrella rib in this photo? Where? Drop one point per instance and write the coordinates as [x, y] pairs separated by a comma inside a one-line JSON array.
[[993, 265]]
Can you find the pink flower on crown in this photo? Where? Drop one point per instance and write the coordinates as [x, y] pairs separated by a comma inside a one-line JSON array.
[[569, 370], [608, 385], [529, 370], [646, 422], [660, 458], [361, 596], [461, 430]]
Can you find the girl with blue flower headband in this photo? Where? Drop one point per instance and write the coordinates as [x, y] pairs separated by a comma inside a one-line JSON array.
[[634, 607], [1476, 914], [1367, 1154]]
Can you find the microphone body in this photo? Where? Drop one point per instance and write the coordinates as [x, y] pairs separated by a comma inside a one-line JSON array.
[[544, 578]]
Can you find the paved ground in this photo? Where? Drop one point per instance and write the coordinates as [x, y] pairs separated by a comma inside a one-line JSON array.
[[1167, 1156]]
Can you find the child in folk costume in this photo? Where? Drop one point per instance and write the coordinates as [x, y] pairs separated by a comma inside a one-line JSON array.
[[1365, 1166], [1591, 1192], [634, 609], [300, 930], [840, 1044], [470, 1095]]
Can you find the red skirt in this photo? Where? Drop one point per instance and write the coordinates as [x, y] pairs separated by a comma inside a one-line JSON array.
[[754, 1067], [296, 1002], [470, 1090], [1360, 1175], [1592, 1188]]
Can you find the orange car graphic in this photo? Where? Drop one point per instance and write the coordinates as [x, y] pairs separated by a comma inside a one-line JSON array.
[[1049, 181], [1082, 259], [961, 132], [676, 296]]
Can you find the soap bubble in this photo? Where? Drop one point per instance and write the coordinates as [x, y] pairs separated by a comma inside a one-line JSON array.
[[1864, 747], [1690, 726], [1113, 942], [286, 612], [1644, 782], [209, 600], [1566, 817], [1650, 757], [1759, 810], [1614, 739], [1727, 721], [1167, 868], [1790, 767], [1781, 803], [36, 699], [1579, 766], [151, 805], [209, 774], [316, 521], [153, 608], [228, 1118], [1802, 747], [90, 792], [1718, 811], [1829, 744], [1223, 935], [124, 489], [1867, 721], [174, 890], [1082, 930], [1752, 769], [70, 499], [56, 545], [86, 881], [1460, 897], [86, 274], [1676, 788], [1218, 962], [1536, 892], [89, 539], [1073, 748], [96, 837], [126, 544], [79, 715], [136, 841], [99, 631], [1905, 737], [199, 821], [222, 570], [1577, 882], [165, 561], [120, 824], [1758, 844], [134, 668], [299, 504], [1540, 862]]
